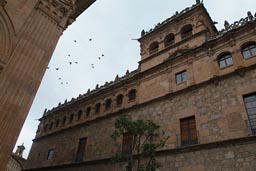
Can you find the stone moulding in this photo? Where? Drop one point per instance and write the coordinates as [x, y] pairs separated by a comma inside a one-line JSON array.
[[6, 32]]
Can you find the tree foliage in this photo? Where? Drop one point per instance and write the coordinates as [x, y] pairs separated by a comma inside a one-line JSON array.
[[146, 139]]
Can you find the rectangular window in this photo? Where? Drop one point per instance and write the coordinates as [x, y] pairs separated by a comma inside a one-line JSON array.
[[50, 154], [127, 145], [250, 104], [181, 77], [188, 131], [80, 154]]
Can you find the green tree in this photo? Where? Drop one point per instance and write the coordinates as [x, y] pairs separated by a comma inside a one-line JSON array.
[[145, 140]]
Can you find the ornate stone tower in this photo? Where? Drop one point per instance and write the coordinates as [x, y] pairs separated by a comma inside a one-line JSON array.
[[29, 32]]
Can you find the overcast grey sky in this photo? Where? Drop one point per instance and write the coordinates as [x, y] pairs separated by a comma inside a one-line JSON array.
[[111, 24]]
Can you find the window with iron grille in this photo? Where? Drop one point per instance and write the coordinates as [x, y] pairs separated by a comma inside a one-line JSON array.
[[181, 77], [249, 50], [127, 144], [188, 131], [250, 104], [80, 154]]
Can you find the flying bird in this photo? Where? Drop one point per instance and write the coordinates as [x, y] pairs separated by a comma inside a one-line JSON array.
[[68, 54], [76, 62], [102, 55], [61, 83], [48, 67], [70, 63], [99, 58], [90, 39], [57, 69], [75, 41], [59, 78]]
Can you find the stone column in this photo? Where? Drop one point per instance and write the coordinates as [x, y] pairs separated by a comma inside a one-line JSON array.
[[22, 75]]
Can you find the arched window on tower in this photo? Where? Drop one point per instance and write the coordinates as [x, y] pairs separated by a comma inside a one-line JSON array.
[[169, 40], [88, 111], [57, 123], [108, 104], [186, 31], [97, 108], [79, 114], [225, 59], [64, 120], [249, 50], [153, 47], [132, 95], [71, 118], [119, 100]]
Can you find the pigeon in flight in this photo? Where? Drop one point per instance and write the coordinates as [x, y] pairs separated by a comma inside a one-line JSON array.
[[76, 62], [68, 54], [90, 39], [75, 41], [57, 69], [59, 78], [70, 63]]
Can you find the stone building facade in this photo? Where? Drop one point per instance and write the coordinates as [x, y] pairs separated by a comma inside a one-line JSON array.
[[29, 32], [17, 162], [197, 83]]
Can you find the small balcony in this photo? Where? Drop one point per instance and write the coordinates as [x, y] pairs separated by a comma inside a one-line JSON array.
[[187, 139]]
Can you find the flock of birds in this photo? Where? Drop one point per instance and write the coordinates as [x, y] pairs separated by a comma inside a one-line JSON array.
[[62, 82]]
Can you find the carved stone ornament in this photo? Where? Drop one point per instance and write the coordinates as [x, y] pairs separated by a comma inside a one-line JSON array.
[[57, 9]]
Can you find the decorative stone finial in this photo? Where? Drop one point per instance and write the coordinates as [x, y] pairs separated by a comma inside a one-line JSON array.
[[20, 149], [249, 15], [226, 25], [143, 33], [59, 104], [66, 101], [197, 1], [45, 110], [88, 91], [127, 72], [117, 77], [97, 86]]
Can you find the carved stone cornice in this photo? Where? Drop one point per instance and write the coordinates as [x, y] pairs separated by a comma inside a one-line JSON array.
[[58, 10]]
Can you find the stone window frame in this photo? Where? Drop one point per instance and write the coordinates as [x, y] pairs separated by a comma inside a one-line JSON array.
[[181, 77], [119, 100], [50, 154], [249, 47], [88, 111], [186, 31], [71, 117], [169, 39], [108, 104], [153, 47], [64, 119], [127, 144], [79, 114], [132, 94], [57, 122], [225, 59], [97, 108]]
